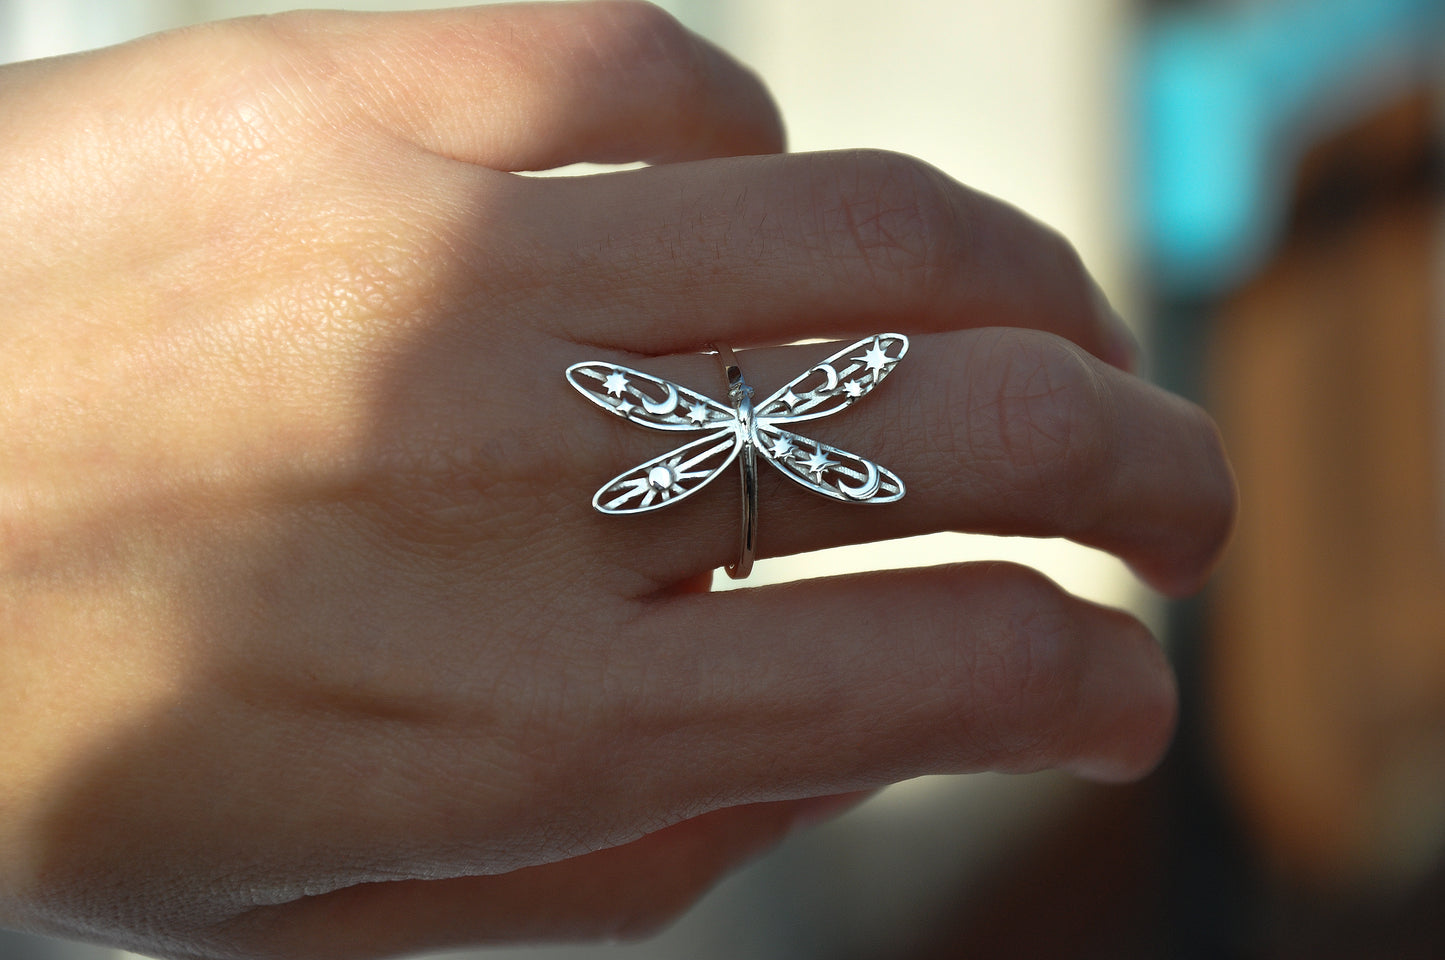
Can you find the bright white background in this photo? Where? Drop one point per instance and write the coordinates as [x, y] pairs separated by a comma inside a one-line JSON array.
[[1021, 99]]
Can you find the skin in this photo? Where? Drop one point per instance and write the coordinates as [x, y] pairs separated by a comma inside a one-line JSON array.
[[311, 643]]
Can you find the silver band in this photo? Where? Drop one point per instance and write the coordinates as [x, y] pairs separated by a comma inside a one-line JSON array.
[[741, 397]]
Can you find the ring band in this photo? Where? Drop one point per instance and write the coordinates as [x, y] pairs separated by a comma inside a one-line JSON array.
[[741, 397]]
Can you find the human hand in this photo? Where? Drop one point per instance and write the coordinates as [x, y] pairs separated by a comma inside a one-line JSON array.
[[313, 645]]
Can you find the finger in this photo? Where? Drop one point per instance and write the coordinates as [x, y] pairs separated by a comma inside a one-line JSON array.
[[534, 86], [810, 245], [999, 431], [625, 891], [851, 682]]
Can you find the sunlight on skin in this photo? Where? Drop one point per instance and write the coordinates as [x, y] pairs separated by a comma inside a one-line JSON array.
[[1084, 571], [93, 703]]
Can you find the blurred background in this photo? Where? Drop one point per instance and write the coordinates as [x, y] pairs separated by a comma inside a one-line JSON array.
[[1257, 185]]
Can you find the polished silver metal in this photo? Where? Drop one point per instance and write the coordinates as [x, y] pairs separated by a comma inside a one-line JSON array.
[[744, 428], [741, 397]]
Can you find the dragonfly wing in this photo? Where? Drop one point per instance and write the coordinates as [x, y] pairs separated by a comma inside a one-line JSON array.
[[669, 478], [839, 381], [647, 400], [828, 470]]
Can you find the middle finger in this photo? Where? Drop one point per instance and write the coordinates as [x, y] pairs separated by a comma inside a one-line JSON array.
[[1002, 431]]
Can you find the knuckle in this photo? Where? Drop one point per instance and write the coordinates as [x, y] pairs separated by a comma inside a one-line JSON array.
[[1062, 280], [631, 17], [286, 28], [243, 114], [1038, 425], [1060, 257], [640, 38], [297, 39], [894, 218], [1217, 501], [1030, 675]]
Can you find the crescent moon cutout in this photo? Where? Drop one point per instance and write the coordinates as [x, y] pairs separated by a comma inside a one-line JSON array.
[[665, 407], [832, 376], [870, 484]]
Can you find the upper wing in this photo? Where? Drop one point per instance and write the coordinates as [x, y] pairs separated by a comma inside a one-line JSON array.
[[837, 382], [645, 399], [666, 479], [826, 469]]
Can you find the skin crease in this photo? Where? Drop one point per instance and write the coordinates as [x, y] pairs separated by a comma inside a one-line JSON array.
[[311, 644]]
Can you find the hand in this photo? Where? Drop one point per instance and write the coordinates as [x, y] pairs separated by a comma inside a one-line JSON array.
[[311, 643]]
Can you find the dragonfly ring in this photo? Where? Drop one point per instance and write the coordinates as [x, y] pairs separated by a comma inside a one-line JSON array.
[[743, 431]]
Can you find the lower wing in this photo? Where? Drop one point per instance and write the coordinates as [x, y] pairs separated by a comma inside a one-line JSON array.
[[671, 477], [828, 470]]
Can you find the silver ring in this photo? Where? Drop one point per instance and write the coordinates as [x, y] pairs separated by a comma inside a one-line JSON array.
[[744, 430], [741, 396]]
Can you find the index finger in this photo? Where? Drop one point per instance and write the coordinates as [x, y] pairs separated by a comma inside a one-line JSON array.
[[536, 85], [774, 249]]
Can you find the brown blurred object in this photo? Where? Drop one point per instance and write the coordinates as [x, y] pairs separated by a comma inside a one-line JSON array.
[[1326, 655], [1112, 881], [1301, 815]]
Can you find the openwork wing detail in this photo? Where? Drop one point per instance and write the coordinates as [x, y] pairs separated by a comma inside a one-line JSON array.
[[825, 388], [647, 400], [838, 382], [669, 478], [825, 469]]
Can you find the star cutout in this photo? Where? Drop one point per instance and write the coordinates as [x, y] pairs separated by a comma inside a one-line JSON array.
[[624, 407], [853, 388], [697, 413], [781, 448], [876, 360], [615, 383], [791, 399], [817, 463]]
